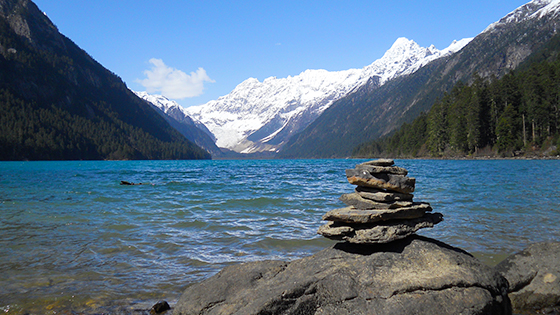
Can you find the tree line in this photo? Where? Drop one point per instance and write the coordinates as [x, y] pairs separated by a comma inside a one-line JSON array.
[[30, 132], [516, 114]]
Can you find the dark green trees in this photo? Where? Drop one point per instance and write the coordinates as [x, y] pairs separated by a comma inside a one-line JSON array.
[[519, 112], [58, 103]]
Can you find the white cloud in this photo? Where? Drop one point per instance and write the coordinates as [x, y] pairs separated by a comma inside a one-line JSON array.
[[173, 83]]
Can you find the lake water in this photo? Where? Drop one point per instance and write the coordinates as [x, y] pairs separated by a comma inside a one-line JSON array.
[[72, 239]]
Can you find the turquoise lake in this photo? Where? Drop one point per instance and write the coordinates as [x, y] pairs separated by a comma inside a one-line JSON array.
[[72, 238]]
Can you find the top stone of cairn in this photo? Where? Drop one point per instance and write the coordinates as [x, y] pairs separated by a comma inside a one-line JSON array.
[[380, 162]]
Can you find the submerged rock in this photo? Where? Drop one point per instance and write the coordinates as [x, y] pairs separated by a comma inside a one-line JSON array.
[[416, 275], [534, 277], [160, 307]]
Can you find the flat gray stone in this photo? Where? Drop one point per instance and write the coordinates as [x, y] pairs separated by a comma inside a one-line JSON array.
[[381, 195], [379, 232], [353, 215], [382, 169], [356, 200], [392, 182], [416, 275], [379, 162]]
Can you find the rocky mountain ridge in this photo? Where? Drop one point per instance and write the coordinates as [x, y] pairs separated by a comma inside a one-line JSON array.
[[533, 10], [261, 116], [177, 117]]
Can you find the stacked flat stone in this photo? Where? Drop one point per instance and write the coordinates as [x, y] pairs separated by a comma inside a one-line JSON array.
[[381, 209]]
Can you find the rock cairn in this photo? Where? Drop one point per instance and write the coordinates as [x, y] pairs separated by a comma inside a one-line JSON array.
[[381, 209]]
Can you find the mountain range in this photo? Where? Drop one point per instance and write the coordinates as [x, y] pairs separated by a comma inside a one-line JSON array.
[[367, 114], [59, 103], [179, 119], [327, 114], [262, 116]]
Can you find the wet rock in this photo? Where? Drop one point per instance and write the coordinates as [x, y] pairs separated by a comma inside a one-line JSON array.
[[534, 277], [160, 307], [416, 275]]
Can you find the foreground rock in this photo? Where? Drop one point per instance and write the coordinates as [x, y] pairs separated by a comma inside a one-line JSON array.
[[416, 275], [534, 277]]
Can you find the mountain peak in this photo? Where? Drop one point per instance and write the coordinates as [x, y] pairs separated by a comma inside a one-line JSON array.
[[261, 116], [405, 57]]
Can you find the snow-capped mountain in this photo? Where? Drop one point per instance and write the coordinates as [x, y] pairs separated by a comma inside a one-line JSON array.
[[176, 115], [533, 10], [260, 116], [364, 116], [173, 109]]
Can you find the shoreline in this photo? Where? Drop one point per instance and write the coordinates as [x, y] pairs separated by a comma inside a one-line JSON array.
[[139, 306]]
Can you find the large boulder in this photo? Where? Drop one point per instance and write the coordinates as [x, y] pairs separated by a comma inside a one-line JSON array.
[[416, 275], [534, 277]]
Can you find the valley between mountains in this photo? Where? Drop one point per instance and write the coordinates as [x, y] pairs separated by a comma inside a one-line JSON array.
[[58, 103], [322, 114]]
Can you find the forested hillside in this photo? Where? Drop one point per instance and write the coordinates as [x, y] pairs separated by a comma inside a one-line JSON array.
[[515, 115], [56, 102]]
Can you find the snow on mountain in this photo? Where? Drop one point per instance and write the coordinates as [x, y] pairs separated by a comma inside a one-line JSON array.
[[285, 106], [178, 118], [260, 116], [161, 102], [533, 9], [173, 109]]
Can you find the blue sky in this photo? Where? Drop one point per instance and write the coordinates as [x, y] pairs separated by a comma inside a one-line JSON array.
[[195, 51]]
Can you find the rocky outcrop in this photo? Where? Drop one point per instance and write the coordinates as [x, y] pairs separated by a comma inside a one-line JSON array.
[[534, 277], [381, 209], [416, 275]]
